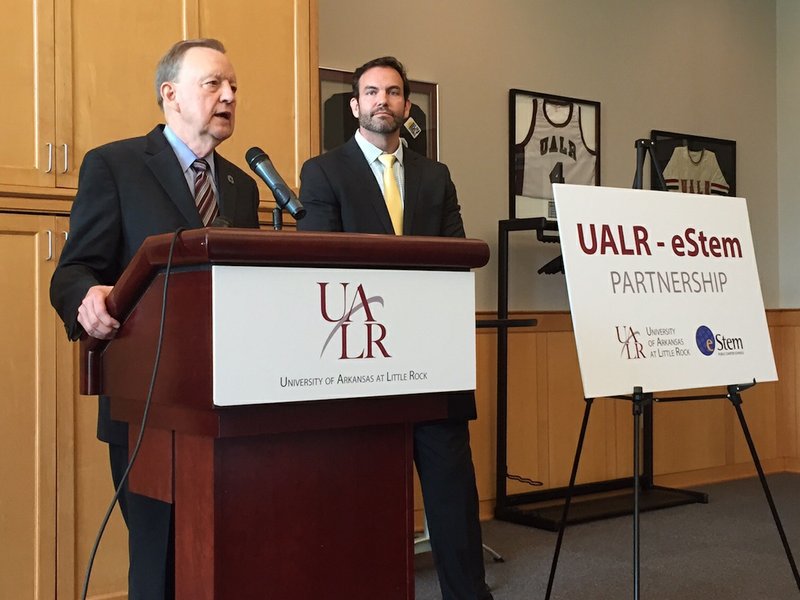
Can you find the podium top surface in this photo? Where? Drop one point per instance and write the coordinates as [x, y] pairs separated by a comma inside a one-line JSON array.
[[364, 250], [229, 246], [255, 246]]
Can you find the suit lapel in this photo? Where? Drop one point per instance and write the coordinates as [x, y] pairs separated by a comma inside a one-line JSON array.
[[413, 180], [226, 186], [370, 190], [162, 161]]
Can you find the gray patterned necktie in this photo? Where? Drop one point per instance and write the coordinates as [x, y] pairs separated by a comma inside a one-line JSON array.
[[204, 192]]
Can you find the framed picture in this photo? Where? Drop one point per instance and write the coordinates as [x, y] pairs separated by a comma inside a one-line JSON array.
[[337, 123], [692, 164], [551, 139]]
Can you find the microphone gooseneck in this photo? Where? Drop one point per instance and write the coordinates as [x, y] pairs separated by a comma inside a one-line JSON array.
[[221, 221]]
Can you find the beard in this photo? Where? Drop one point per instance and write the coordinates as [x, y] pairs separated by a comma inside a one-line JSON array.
[[381, 124]]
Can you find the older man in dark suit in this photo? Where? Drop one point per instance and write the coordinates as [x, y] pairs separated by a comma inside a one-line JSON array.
[[129, 190], [372, 184]]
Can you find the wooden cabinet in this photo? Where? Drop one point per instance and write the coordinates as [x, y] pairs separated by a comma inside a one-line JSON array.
[[61, 481], [273, 47], [27, 48], [84, 75], [28, 426], [105, 58]]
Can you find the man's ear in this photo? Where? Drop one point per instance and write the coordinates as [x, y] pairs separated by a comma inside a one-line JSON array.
[[354, 107], [168, 93], [408, 109]]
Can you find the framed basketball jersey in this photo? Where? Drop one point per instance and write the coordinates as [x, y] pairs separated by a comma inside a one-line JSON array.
[[693, 164], [549, 134]]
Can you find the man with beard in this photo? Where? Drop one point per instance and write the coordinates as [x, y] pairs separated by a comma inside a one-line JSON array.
[[372, 184]]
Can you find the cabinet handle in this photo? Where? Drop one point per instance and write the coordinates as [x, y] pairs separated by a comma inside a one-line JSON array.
[[49, 246], [49, 158], [66, 158]]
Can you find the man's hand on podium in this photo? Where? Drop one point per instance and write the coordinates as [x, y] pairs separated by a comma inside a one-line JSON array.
[[93, 314]]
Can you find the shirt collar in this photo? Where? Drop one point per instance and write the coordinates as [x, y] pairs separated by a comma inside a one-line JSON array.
[[185, 156], [372, 152]]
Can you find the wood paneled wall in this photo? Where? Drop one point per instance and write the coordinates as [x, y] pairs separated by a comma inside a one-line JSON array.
[[694, 442]]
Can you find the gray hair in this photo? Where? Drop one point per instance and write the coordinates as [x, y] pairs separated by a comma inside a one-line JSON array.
[[170, 64]]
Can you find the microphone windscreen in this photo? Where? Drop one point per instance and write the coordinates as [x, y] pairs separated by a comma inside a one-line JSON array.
[[254, 155]]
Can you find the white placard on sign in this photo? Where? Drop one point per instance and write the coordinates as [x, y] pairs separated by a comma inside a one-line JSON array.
[[663, 289], [295, 334]]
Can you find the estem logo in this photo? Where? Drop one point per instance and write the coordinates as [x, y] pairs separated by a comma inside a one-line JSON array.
[[708, 342], [704, 338]]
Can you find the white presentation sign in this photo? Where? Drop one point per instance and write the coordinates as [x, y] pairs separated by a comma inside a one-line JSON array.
[[663, 289], [294, 334]]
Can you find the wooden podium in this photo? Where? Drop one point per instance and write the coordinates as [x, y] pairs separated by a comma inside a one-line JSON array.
[[291, 500]]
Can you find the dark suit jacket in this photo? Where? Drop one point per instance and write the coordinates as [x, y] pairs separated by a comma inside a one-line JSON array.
[[129, 190], [340, 193]]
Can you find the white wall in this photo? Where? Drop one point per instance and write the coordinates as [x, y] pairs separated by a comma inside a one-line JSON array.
[[699, 67], [789, 150]]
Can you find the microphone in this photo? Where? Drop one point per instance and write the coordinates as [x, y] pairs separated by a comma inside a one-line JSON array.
[[263, 167], [221, 221]]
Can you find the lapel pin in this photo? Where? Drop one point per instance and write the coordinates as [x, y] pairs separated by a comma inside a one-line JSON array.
[[230, 179]]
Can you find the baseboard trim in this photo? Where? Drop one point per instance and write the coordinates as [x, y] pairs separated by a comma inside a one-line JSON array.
[[696, 478]]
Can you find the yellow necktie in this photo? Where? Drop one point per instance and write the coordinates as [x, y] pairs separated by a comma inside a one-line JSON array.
[[391, 193]]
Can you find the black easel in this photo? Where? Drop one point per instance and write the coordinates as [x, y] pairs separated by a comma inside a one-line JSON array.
[[642, 404], [639, 401]]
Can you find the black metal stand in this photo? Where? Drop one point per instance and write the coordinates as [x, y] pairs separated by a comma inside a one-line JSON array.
[[535, 508], [568, 499], [503, 323], [277, 218], [734, 395], [640, 400], [663, 496]]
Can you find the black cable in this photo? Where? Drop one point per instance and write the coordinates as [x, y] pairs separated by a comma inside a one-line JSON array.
[[146, 413], [522, 479]]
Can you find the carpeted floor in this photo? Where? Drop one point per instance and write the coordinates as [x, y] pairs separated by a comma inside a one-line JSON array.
[[728, 549]]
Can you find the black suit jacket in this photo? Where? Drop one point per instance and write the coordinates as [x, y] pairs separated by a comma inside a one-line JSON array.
[[340, 193], [129, 190]]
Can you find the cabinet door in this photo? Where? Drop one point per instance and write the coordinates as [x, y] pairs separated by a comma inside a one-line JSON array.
[[84, 486], [93, 81], [106, 56], [272, 45], [28, 426], [26, 45]]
